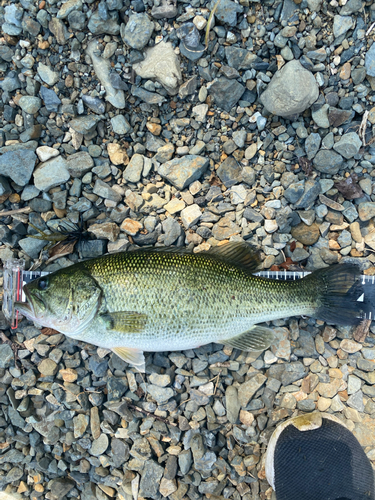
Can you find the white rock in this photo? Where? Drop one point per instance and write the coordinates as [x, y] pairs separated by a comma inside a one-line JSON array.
[[270, 225], [190, 215], [161, 64], [46, 153]]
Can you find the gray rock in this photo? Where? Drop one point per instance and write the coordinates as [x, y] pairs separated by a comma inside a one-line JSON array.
[[166, 10], [351, 7], [328, 162], [47, 74], [6, 356], [99, 26], [120, 125], [239, 137], [60, 487], [232, 404], [148, 97], [366, 210], [321, 117], [78, 164], [312, 145], [104, 191], [133, 171], [13, 15], [227, 11], [94, 103], [247, 390], [310, 194], [370, 60], [172, 231], [226, 93], [293, 371], [239, 58], [50, 99], [349, 145], [102, 69], [138, 31], [183, 171], [342, 24], [51, 173], [10, 82], [32, 246], [84, 124], [99, 446], [18, 165], [151, 476], [356, 401], [291, 90], [4, 187], [185, 461], [229, 172], [30, 104], [294, 192]]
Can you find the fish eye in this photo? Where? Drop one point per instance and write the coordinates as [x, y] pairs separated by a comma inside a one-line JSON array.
[[43, 284]]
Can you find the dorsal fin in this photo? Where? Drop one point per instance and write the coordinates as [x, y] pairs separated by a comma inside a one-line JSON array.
[[238, 254]]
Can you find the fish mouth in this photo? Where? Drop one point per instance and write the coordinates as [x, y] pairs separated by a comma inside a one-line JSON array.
[[28, 308]]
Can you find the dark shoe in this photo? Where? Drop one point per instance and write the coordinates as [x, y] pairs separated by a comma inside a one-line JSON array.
[[315, 457]]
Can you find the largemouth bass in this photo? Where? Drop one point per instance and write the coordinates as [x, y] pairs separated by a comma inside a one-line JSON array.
[[170, 299]]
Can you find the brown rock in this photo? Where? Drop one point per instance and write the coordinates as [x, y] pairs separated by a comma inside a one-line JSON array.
[[117, 155], [337, 117], [307, 235], [130, 226], [329, 390], [154, 128], [345, 71], [350, 346], [69, 375], [107, 230]]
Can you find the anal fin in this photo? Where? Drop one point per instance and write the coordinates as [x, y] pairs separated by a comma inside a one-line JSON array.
[[125, 321], [132, 356], [258, 338]]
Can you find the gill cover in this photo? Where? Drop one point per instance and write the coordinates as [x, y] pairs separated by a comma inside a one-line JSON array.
[[66, 301]]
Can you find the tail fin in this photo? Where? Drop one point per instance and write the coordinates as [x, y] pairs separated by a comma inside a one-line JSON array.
[[339, 288]]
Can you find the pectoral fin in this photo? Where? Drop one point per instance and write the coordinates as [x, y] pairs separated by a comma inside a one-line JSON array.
[[125, 321], [258, 338], [132, 356]]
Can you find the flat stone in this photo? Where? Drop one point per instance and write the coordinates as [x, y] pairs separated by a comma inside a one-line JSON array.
[[151, 476], [239, 58], [47, 74], [133, 171], [328, 162], [51, 173], [172, 230], [6, 356], [99, 446], [349, 145], [227, 11], [161, 64], [105, 191], [342, 24], [175, 206], [183, 171], [226, 93], [18, 165], [160, 394], [190, 215], [229, 172], [84, 124], [78, 164], [291, 90], [247, 390]]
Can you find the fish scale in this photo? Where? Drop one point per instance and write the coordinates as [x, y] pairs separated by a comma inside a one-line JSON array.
[[170, 299]]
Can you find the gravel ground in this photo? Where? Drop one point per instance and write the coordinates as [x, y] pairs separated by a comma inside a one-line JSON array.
[[118, 114]]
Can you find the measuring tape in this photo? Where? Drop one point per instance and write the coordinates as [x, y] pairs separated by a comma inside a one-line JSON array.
[[15, 277]]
